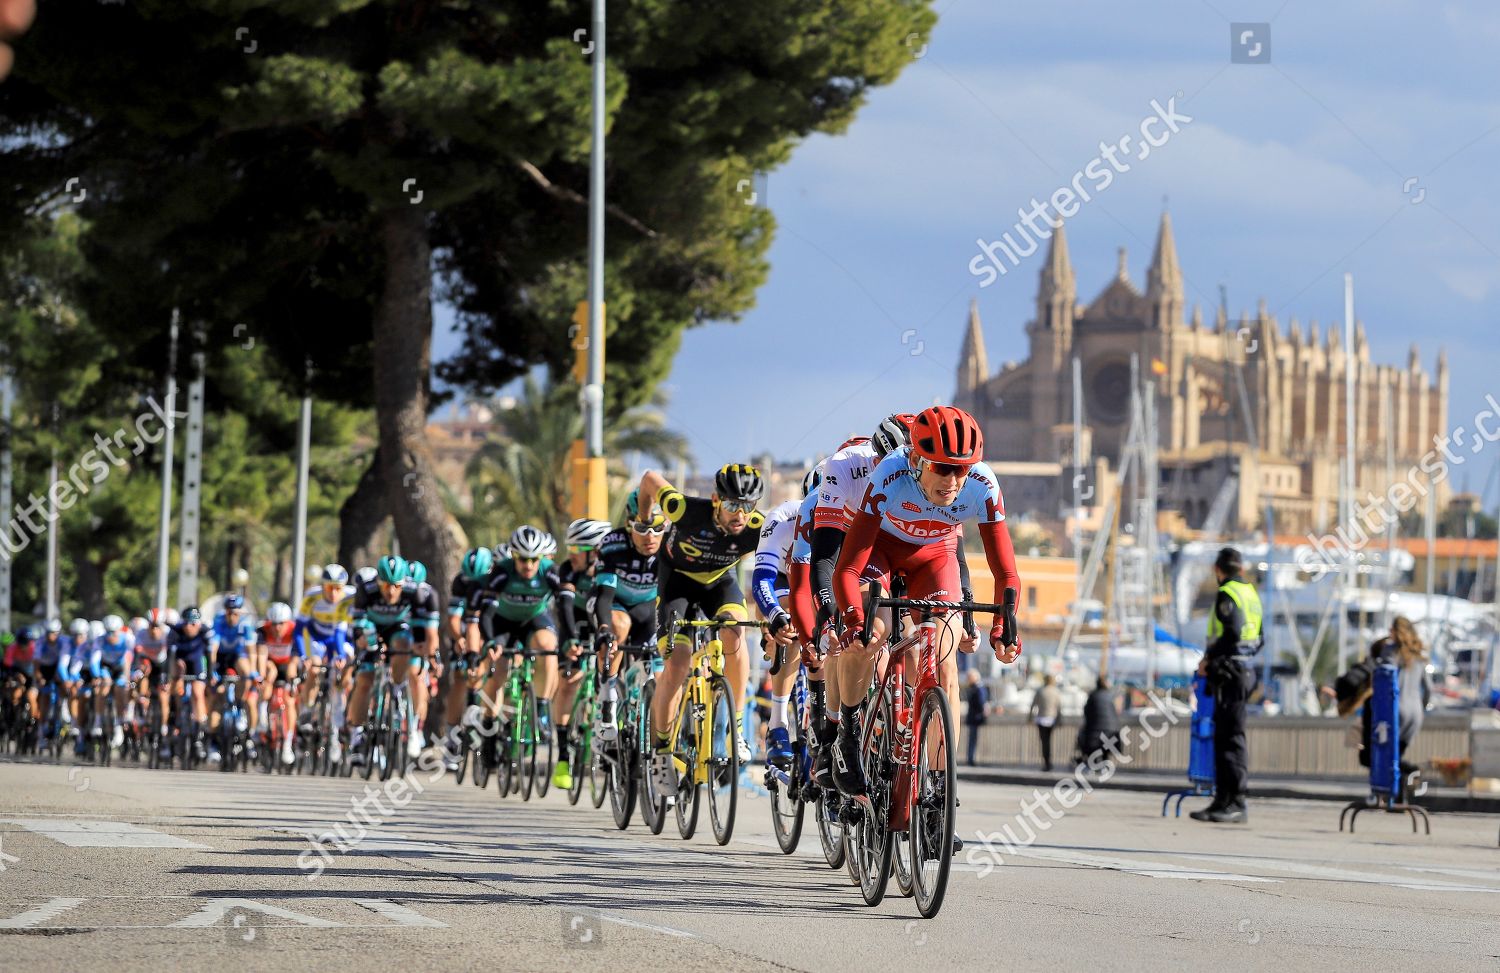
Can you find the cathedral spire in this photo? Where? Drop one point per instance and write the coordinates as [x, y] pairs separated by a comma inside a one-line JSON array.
[[1057, 291], [973, 362], [1164, 278]]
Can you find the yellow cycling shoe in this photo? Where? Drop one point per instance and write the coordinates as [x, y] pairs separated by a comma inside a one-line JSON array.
[[562, 777]]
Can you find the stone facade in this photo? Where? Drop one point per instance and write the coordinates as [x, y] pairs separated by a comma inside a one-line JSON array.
[[1294, 385]]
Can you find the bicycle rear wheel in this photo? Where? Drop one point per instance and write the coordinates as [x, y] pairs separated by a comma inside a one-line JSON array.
[[689, 794], [830, 828], [723, 760], [932, 820], [580, 758]]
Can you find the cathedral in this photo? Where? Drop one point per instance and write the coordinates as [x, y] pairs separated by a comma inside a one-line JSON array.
[[1294, 387]]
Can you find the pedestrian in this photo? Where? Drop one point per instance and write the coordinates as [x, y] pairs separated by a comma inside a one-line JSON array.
[[976, 700], [1234, 637], [1101, 722], [1046, 704], [1403, 649]]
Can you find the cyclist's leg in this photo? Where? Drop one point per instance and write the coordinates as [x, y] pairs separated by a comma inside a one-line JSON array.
[[250, 694], [723, 599], [677, 656], [545, 673]]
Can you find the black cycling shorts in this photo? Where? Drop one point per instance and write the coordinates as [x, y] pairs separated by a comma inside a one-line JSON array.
[[642, 621], [518, 633], [679, 593]]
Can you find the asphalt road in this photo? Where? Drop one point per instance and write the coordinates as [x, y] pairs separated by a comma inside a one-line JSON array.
[[124, 869]]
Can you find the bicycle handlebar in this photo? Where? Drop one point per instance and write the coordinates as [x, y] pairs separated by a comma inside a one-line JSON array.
[[928, 605]]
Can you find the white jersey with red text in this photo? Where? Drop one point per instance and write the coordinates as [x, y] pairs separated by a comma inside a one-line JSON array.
[[845, 474]]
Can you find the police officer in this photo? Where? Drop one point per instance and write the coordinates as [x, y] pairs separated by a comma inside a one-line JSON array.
[[1234, 637]]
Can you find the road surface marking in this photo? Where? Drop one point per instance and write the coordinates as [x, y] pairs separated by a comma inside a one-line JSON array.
[[216, 910], [399, 914], [1148, 869], [1339, 874], [622, 921], [103, 834], [41, 913]]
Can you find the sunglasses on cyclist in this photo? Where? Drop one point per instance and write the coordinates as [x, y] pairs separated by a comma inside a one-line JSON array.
[[580, 549], [738, 506], [947, 469], [527, 560], [641, 528]]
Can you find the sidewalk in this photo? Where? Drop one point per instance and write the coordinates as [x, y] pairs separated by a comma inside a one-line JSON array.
[[1344, 791]]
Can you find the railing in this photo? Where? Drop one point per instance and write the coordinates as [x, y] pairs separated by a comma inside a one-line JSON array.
[[1309, 747]]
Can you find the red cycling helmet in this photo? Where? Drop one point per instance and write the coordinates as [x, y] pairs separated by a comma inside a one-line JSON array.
[[852, 441], [945, 434]]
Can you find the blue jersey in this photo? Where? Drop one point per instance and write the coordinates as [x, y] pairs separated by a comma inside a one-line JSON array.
[[802, 542], [54, 652], [236, 639], [116, 655], [905, 512]]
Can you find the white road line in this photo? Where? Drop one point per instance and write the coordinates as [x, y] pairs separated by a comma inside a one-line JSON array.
[[1339, 874], [1146, 868], [103, 834], [214, 912], [1486, 876], [399, 914], [634, 924], [41, 913]]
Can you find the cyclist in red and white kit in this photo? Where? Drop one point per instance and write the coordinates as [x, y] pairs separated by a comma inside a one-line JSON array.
[[908, 522]]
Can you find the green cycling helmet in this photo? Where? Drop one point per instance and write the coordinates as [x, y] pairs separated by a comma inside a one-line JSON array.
[[478, 563], [416, 572], [392, 569]]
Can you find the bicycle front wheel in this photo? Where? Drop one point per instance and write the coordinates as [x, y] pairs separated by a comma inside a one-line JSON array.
[[528, 744], [723, 760], [653, 804], [872, 835], [787, 808], [931, 830]]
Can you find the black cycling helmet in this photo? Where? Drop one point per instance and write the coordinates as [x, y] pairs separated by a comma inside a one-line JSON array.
[[739, 481], [191, 615]]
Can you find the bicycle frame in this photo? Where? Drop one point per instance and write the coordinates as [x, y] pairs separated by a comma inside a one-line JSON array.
[[707, 661]]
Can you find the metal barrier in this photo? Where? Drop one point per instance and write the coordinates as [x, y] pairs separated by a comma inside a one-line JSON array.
[[1310, 747], [1201, 773], [1385, 754]]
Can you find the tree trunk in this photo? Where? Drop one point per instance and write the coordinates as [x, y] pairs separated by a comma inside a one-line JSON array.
[[402, 362], [362, 518], [90, 587]]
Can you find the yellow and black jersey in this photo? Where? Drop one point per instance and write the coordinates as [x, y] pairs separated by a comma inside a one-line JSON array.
[[697, 546]]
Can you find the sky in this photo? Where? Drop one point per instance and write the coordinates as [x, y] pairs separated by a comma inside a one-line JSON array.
[[1366, 145]]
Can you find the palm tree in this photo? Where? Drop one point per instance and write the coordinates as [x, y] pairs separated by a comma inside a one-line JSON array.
[[522, 474]]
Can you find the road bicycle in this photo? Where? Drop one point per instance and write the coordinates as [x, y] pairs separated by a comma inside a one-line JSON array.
[[523, 745], [234, 735], [281, 717], [625, 760], [704, 732], [581, 734], [906, 745]]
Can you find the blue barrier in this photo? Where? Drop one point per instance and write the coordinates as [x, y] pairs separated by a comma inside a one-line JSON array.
[[1201, 753], [1384, 708]]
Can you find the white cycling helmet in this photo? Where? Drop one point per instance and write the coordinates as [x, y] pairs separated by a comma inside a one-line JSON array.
[[113, 623], [364, 575], [96, 629], [334, 574], [79, 628], [527, 541], [279, 613], [549, 546], [587, 533], [54, 626]]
